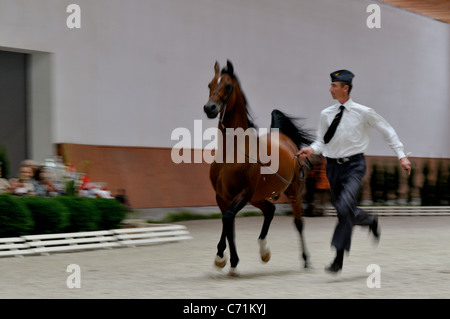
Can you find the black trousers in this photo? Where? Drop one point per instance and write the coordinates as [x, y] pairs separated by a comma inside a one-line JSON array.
[[345, 183]]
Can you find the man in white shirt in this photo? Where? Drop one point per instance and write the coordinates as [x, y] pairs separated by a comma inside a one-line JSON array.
[[342, 137]]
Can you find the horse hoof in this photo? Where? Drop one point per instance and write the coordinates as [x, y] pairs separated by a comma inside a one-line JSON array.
[[264, 251], [220, 262], [266, 257], [233, 272]]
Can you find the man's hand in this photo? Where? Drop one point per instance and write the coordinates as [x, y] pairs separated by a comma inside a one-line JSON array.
[[305, 152], [405, 164]]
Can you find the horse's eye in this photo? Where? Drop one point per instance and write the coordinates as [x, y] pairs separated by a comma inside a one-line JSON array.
[[228, 86], [209, 85]]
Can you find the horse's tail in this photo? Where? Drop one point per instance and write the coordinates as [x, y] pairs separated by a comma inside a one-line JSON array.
[[287, 125]]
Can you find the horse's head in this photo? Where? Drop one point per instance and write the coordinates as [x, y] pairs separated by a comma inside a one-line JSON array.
[[221, 90]]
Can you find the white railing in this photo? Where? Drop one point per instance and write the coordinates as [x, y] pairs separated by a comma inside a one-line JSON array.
[[150, 235], [126, 237], [400, 210]]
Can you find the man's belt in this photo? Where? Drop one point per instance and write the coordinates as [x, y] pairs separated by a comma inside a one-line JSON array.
[[343, 160]]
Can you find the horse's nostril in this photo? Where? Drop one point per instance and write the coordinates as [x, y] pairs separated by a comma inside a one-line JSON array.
[[210, 108]]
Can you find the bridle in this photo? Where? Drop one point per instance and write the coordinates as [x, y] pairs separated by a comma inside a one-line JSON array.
[[225, 104]]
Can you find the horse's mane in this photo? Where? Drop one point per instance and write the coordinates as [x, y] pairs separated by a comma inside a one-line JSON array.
[[288, 126], [250, 120]]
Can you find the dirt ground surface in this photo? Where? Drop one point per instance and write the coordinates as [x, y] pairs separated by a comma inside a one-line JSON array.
[[413, 257]]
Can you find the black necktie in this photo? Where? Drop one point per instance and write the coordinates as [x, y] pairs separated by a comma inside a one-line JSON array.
[[332, 129]]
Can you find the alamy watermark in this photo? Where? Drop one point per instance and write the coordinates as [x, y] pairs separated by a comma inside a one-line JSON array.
[[74, 279], [374, 19], [374, 279], [242, 146], [73, 21]]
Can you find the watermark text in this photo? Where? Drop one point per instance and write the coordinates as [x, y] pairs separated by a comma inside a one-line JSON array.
[[374, 19], [374, 279], [235, 145], [74, 279], [74, 19]]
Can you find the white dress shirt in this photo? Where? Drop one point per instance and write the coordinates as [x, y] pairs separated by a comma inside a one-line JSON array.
[[353, 132]]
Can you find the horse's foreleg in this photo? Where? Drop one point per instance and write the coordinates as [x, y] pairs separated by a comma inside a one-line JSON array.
[[228, 218], [220, 260], [268, 210], [228, 230]]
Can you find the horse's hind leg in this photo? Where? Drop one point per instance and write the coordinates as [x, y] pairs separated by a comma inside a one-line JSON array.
[[268, 210], [299, 225], [294, 195]]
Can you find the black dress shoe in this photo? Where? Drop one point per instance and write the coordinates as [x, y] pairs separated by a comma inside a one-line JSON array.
[[334, 268], [374, 228]]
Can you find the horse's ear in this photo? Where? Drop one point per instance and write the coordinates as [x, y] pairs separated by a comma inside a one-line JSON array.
[[230, 67], [216, 68]]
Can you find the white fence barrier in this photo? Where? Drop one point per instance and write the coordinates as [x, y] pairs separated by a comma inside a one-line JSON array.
[[126, 237], [150, 235], [71, 241], [13, 246], [400, 210]]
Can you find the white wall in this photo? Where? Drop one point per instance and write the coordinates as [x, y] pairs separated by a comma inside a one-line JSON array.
[[138, 69]]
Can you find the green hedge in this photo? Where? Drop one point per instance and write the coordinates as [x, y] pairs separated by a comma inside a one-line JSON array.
[[111, 213], [83, 215], [49, 215], [38, 215], [15, 218]]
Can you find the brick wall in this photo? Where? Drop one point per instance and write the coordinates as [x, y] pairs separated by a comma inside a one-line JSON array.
[[151, 179]]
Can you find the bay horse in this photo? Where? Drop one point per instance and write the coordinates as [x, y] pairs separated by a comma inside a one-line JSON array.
[[238, 183]]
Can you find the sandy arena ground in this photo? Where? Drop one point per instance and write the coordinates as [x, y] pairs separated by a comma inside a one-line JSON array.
[[413, 256]]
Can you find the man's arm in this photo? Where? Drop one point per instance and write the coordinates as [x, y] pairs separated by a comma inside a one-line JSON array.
[[317, 146], [390, 136]]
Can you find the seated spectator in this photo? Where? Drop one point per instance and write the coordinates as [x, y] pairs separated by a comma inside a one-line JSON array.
[[31, 163], [5, 187], [40, 182], [22, 186]]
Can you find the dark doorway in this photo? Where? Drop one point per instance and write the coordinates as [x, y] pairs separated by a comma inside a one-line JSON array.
[[13, 108]]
